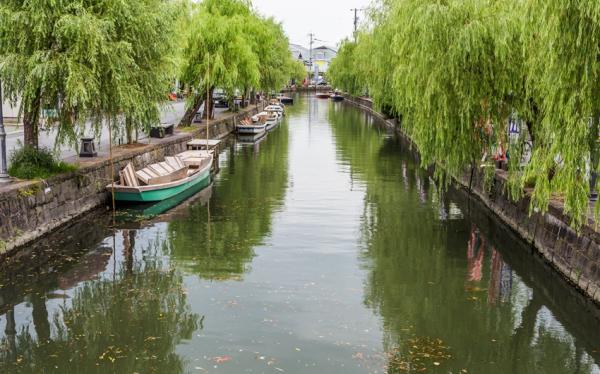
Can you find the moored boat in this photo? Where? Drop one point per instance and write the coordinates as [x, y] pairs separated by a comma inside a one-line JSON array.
[[163, 180], [285, 99], [336, 96], [247, 126], [323, 95], [275, 108], [268, 117]]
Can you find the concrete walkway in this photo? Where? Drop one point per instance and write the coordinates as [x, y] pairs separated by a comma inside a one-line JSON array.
[[172, 112]]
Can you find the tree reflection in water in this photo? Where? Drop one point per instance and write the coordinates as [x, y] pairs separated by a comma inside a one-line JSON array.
[[131, 323], [440, 281], [217, 241]]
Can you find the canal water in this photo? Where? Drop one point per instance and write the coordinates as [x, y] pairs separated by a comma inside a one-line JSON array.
[[322, 248]]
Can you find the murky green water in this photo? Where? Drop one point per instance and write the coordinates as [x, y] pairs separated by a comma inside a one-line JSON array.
[[321, 249]]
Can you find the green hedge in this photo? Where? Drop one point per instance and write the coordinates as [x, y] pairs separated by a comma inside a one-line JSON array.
[[32, 163]]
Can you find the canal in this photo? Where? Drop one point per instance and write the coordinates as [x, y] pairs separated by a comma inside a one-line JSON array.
[[323, 248]]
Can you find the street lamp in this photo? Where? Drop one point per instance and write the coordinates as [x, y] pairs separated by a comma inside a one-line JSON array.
[[4, 178]]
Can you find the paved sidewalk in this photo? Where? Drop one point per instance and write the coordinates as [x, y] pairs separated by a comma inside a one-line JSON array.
[[171, 113]]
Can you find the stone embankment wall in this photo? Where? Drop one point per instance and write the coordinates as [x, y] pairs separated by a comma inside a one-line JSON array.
[[576, 256], [31, 209]]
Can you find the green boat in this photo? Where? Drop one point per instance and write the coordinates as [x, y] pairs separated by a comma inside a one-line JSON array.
[[130, 214], [197, 175]]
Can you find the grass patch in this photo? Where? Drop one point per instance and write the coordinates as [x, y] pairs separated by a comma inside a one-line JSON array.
[[31, 163], [188, 128]]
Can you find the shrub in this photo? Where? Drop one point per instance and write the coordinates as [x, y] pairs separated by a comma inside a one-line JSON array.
[[32, 163]]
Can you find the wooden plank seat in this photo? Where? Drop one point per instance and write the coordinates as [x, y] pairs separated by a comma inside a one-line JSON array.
[[175, 162], [149, 177], [128, 177], [162, 172], [195, 159]]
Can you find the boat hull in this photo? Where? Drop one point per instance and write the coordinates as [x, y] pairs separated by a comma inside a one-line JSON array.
[[251, 138], [271, 126], [250, 129], [203, 177]]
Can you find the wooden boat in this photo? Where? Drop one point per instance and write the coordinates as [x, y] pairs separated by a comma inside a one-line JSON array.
[[131, 214], [275, 108], [247, 126], [271, 125], [323, 95], [267, 117], [163, 180], [285, 99], [336, 96], [277, 102]]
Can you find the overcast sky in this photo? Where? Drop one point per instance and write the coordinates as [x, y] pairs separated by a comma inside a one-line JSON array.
[[329, 20]]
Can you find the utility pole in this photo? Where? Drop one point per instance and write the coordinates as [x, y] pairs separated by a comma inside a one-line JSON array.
[[4, 178], [355, 10], [310, 57]]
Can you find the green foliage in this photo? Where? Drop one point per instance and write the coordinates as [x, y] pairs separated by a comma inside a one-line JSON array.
[[298, 71], [87, 59], [243, 49], [218, 44], [457, 70], [32, 163], [342, 70], [568, 81]]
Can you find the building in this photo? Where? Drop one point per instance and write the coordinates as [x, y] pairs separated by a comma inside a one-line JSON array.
[[299, 52], [321, 56]]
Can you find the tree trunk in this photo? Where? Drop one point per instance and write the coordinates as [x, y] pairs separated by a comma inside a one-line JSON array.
[[31, 119], [128, 248], [129, 130], [40, 318], [190, 113], [208, 107], [252, 97], [244, 98], [530, 124]]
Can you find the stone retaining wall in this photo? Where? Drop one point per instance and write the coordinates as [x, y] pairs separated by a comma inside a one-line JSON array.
[[31, 209], [576, 256]]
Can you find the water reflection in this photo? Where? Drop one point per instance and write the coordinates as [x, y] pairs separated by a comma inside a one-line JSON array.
[[95, 316], [442, 278], [323, 249], [217, 241]]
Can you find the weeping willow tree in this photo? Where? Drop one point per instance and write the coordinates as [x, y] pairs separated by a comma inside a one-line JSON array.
[[271, 46], [455, 71], [297, 71], [76, 60], [218, 51], [134, 91], [563, 52], [342, 69], [242, 49], [456, 76]]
